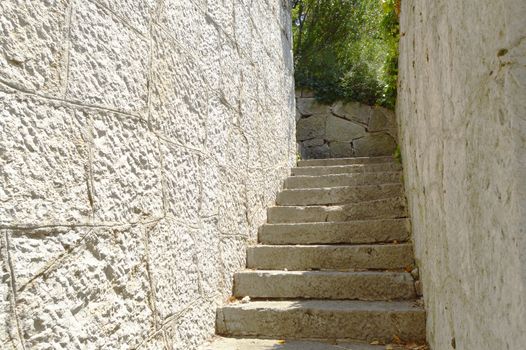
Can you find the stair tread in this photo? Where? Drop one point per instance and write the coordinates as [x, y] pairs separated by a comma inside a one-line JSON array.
[[347, 160], [332, 261], [337, 195], [345, 187], [331, 246], [335, 180], [347, 175], [374, 167], [336, 223], [279, 344], [330, 305], [330, 257], [318, 319], [323, 273], [336, 232], [393, 207], [326, 285], [352, 168]]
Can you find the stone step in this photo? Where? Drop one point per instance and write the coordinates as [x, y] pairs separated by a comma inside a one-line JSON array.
[[279, 344], [350, 232], [353, 179], [345, 169], [344, 161], [330, 257], [367, 285], [326, 319], [382, 208], [338, 195]]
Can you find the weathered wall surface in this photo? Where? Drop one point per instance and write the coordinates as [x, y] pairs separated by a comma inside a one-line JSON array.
[[135, 164], [462, 114], [343, 129]]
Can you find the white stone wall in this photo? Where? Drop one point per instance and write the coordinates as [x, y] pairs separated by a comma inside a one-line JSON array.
[[461, 109], [140, 142]]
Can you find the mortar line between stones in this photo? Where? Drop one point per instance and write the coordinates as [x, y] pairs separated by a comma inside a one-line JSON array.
[[365, 125], [68, 51], [19, 89], [164, 187], [175, 143], [120, 18], [149, 83], [51, 264], [12, 285], [89, 170], [153, 296], [109, 225], [168, 320]]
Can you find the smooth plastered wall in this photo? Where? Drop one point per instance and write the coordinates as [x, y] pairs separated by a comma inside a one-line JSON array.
[[140, 142], [462, 127]]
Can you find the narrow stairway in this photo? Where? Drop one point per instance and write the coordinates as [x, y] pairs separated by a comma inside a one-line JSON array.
[[331, 265]]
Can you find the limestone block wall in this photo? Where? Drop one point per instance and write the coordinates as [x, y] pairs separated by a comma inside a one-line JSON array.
[[343, 129], [462, 111], [140, 142]]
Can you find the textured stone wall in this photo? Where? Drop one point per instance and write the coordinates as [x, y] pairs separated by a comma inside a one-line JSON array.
[[462, 114], [140, 142], [343, 129]]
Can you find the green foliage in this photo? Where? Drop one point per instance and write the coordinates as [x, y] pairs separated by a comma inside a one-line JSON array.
[[347, 49], [397, 154]]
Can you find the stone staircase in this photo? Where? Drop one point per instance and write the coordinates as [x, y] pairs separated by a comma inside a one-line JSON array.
[[331, 265]]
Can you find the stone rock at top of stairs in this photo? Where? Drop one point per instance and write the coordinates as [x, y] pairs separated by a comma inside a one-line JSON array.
[[377, 144], [338, 129], [310, 127]]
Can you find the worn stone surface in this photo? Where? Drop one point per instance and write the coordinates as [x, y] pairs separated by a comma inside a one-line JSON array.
[[344, 129], [308, 106], [345, 169], [461, 110], [354, 111], [43, 160], [333, 257], [316, 151], [316, 319], [344, 161], [338, 195], [376, 144], [135, 164], [357, 231], [382, 208], [96, 296], [311, 128], [339, 129], [343, 180], [340, 148], [279, 344], [33, 43], [324, 285], [310, 265]]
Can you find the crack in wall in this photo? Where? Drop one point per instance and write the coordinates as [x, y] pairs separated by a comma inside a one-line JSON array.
[[12, 286]]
